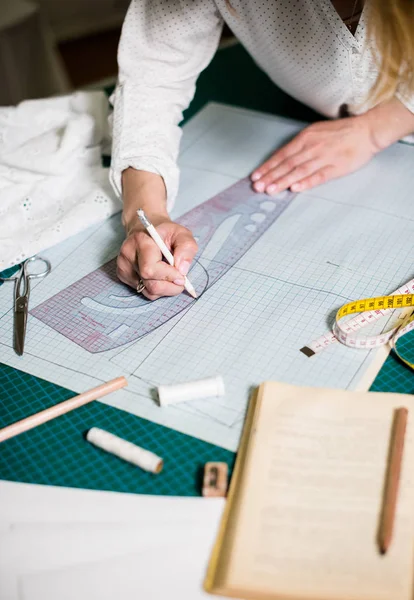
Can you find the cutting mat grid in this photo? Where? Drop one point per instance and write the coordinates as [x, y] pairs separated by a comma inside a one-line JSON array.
[[56, 453]]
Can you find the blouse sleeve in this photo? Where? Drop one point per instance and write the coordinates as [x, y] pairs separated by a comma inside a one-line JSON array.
[[164, 46]]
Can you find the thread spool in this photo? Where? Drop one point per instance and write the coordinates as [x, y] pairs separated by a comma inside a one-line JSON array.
[[146, 460], [191, 390]]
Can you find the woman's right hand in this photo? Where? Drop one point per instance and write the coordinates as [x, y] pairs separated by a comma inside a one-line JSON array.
[[140, 258]]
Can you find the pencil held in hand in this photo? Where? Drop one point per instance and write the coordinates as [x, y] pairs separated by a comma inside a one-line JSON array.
[[392, 479], [163, 248]]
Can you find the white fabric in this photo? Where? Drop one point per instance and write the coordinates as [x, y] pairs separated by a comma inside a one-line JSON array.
[[52, 184], [303, 46]]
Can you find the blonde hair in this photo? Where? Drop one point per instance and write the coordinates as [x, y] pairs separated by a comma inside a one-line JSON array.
[[391, 26]]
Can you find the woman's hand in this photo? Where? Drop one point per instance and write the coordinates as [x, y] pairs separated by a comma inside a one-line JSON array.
[[320, 152], [140, 257], [330, 149]]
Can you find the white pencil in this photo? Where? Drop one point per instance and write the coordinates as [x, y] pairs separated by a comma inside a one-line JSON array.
[[164, 250]]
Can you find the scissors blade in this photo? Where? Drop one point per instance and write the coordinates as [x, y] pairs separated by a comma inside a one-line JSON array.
[[20, 321]]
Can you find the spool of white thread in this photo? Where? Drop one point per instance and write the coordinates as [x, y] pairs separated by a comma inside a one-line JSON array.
[[191, 390], [126, 450]]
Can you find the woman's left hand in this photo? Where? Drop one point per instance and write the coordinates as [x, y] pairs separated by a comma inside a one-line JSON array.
[[320, 152]]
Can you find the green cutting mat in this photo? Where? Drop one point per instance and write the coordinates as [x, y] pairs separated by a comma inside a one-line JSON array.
[[56, 453]]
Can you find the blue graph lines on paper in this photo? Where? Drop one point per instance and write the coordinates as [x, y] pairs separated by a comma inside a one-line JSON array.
[[99, 313]]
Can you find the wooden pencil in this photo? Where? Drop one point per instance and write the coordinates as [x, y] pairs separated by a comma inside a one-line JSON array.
[[60, 409], [392, 479]]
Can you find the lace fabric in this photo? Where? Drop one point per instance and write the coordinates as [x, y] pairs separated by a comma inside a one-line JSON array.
[[52, 182]]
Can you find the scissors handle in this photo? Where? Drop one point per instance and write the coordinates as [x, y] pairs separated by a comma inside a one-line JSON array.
[[46, 271], [26, 277], [22, 277], [21, 297], [23, 271]]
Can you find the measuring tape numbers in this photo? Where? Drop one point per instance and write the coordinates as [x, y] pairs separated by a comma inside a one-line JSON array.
[[368, 311]]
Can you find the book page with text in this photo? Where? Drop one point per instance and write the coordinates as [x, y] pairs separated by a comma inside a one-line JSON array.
[[306, 515]]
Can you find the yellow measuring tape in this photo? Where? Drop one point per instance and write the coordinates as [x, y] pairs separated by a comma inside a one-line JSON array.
[[368, 311], [379, 303]]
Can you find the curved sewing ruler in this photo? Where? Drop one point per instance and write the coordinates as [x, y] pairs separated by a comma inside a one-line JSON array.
[[99, 313]]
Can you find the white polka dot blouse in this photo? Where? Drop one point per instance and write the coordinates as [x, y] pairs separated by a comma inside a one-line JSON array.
[[303, 45]]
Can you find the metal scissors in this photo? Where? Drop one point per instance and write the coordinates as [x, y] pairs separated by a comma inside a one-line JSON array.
[[21, 297]]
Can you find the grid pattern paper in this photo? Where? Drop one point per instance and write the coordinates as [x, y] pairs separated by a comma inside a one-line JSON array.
[[99, 313], [343, 241]]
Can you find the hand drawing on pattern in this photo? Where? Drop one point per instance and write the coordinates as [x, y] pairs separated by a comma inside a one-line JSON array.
[[99, 313]]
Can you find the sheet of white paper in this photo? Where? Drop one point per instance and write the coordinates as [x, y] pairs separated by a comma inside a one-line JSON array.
[[27, 503], [44, 547], [174, 570], [95, 526], [347, 239]]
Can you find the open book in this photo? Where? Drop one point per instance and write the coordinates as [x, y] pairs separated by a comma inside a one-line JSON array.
[[302, 517]]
